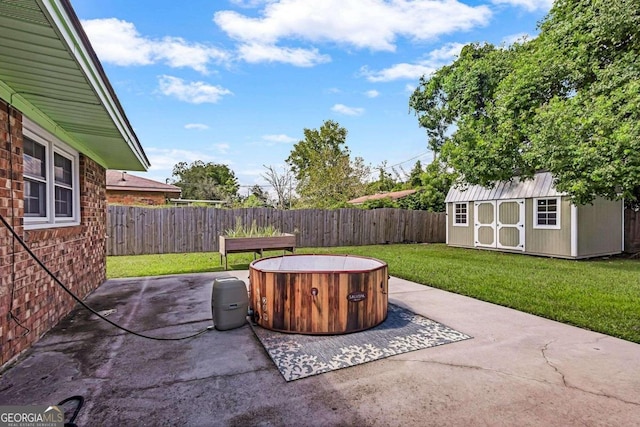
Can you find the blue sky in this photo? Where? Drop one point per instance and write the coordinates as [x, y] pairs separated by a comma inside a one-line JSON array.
[[237, 81]]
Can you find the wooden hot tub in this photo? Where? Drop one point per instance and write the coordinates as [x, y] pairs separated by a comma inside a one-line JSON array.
[[318, 294]]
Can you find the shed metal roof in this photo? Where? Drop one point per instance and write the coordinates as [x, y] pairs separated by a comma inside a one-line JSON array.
[[540, 186], [50, 72]]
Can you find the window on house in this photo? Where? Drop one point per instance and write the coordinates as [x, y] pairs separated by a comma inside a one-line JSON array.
[[35, 179], [461, 214], [547, 213], [51, 176]]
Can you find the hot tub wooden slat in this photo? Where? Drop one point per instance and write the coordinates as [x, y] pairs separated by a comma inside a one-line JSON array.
[[342, 303], [278, 303], [324, 311], [353, 308]]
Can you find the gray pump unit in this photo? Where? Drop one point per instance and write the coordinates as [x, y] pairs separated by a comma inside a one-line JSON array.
[[229, 303]]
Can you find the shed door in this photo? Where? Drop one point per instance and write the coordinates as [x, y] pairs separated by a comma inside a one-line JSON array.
[[484, 233], [510, 225]]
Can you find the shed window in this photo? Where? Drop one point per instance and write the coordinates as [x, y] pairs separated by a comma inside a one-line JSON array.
[[461, 214], [547, 213], [51, 177]]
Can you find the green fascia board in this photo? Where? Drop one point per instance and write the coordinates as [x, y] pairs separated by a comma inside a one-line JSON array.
[[42, 120]]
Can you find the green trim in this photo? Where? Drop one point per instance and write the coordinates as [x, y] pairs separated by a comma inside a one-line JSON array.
[[42, 120]]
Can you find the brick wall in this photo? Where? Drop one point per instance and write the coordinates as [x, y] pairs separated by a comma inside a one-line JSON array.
[[120, 197], [76, 255]]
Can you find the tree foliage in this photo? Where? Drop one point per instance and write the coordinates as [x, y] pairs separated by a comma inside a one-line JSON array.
[[325, 174], [384, 183], [415, 176], [257, 198], [205, 181], [318, 146], [567, 102]]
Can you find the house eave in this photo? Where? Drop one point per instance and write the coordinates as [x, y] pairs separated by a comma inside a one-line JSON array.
[[50, 73]]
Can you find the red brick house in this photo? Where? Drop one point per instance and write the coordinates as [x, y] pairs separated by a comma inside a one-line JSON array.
[[61, 127], [126, 189]]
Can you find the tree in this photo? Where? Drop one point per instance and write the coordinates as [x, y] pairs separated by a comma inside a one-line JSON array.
[[317, 145], [567, 102], [415, 176], [323, 169], [435, 182], [257, 198], [205, 181], [456, 106], [281, 183], [384, 183]]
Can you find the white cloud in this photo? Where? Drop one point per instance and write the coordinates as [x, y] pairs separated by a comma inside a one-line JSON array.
[[164, 159], [372, 93], [434, 60], [446, 53], [348, 111], [530, 5], [369, 24], [251, 172], [192, 92], [519, 37], [223, 147], [398, 71], [279, 138], [197, 126], [118, 42], [258, 52]]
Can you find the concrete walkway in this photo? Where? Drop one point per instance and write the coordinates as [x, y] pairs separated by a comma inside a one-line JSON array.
[[518, 370]]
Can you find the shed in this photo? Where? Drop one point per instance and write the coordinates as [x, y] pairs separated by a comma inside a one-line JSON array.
[[532, 217]]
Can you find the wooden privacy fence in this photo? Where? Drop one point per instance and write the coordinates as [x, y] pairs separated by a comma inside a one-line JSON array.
[[631, 231], [140, 230]]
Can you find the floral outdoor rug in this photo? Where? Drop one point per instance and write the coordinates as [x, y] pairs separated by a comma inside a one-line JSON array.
[[299, 356]]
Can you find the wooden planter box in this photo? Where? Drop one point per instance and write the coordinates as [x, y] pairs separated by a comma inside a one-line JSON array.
[[257, 245]]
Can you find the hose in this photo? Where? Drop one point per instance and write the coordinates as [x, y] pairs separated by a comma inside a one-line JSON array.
[[82, 303]]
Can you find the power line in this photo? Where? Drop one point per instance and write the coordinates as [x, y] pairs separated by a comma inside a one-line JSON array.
[[408, 160]]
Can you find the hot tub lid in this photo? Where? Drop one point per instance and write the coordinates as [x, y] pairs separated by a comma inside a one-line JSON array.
[[317, 263]]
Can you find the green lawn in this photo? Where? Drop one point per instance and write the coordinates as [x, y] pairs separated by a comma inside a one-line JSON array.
[[602, 295]]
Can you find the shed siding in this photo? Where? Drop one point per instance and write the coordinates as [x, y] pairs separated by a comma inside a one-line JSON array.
[[509, 236], [554, 242], [600, 228], [460, 236], [509, 213]]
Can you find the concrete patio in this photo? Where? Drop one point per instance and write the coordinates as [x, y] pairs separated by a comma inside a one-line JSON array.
[[518, 369]]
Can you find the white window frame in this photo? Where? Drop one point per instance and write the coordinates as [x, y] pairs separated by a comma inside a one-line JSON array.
[[53, 146], [558, 218], [466, 217]]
